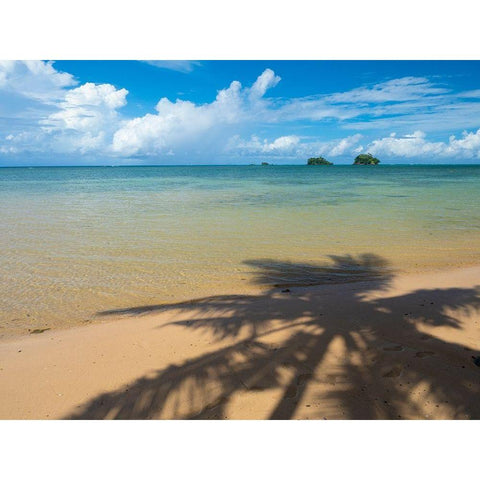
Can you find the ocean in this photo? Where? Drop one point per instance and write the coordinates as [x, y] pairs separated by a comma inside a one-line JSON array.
[[77, 241]]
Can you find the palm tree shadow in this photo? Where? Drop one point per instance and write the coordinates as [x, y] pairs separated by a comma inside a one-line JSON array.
[[346, 352]]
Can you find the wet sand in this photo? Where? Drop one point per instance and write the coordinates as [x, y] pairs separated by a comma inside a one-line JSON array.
[[377, 346]]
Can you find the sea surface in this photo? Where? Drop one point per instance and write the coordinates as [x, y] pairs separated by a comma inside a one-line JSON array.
[[76, 241]]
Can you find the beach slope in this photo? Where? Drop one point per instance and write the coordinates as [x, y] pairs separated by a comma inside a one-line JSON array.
[[376, 347]]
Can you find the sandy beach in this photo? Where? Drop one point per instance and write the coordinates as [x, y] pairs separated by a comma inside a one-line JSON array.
[[372, 345]]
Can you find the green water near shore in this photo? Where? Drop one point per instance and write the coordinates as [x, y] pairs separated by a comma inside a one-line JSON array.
[[76, 241]]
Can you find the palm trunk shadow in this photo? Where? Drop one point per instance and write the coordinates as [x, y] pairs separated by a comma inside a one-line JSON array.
[[314, 348]]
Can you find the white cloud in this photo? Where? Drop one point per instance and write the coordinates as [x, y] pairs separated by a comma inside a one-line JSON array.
[[183, 66], [406, 146], [404, 104], [396, 90], [87, 117], [181, 123], [417, 145], [96, 95], [401, 97], [346, 145], [440, 115], [34, 79], [83, 121], [266, 80], [340, 147], [87, 107], [469, 94], [413, 145], [279, 146], [470, 142], [292, 146]]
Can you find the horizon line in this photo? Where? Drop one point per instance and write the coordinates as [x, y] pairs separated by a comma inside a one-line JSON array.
[[248, 165]]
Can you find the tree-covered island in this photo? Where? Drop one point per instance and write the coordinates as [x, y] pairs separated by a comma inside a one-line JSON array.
[[366, 159], [318, 161]]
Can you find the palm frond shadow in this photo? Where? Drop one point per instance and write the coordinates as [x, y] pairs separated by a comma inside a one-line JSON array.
[[281, 345]]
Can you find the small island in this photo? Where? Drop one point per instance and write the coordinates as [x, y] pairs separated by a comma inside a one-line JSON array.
[[366, 159], [318, 161], [264, 164]]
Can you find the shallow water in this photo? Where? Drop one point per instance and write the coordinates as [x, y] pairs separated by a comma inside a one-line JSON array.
[[77, 241]]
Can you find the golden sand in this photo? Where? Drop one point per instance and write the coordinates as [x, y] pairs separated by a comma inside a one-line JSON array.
[[381, 347]]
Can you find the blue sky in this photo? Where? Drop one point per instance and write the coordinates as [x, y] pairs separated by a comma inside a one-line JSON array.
[[221, 112]]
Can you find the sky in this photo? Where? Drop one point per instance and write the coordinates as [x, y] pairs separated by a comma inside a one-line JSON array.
[[238, 112]]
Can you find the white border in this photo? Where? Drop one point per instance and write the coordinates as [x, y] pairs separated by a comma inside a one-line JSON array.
[[239, 449], [250, 29]]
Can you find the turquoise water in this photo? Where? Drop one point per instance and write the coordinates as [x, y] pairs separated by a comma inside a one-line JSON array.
[[76, 241]]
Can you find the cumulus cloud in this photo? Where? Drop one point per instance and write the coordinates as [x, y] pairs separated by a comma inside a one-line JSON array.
[[417, 145], [87, 108], [45, 111], [411, 145], [469, 143], [281, 144], [88, 116], [182, 122], [83, 121]]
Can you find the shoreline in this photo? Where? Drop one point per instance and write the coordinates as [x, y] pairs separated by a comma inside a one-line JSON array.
[[244, 289], [384, 347]]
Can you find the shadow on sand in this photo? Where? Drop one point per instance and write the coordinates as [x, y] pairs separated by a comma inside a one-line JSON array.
[[335, 352]]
